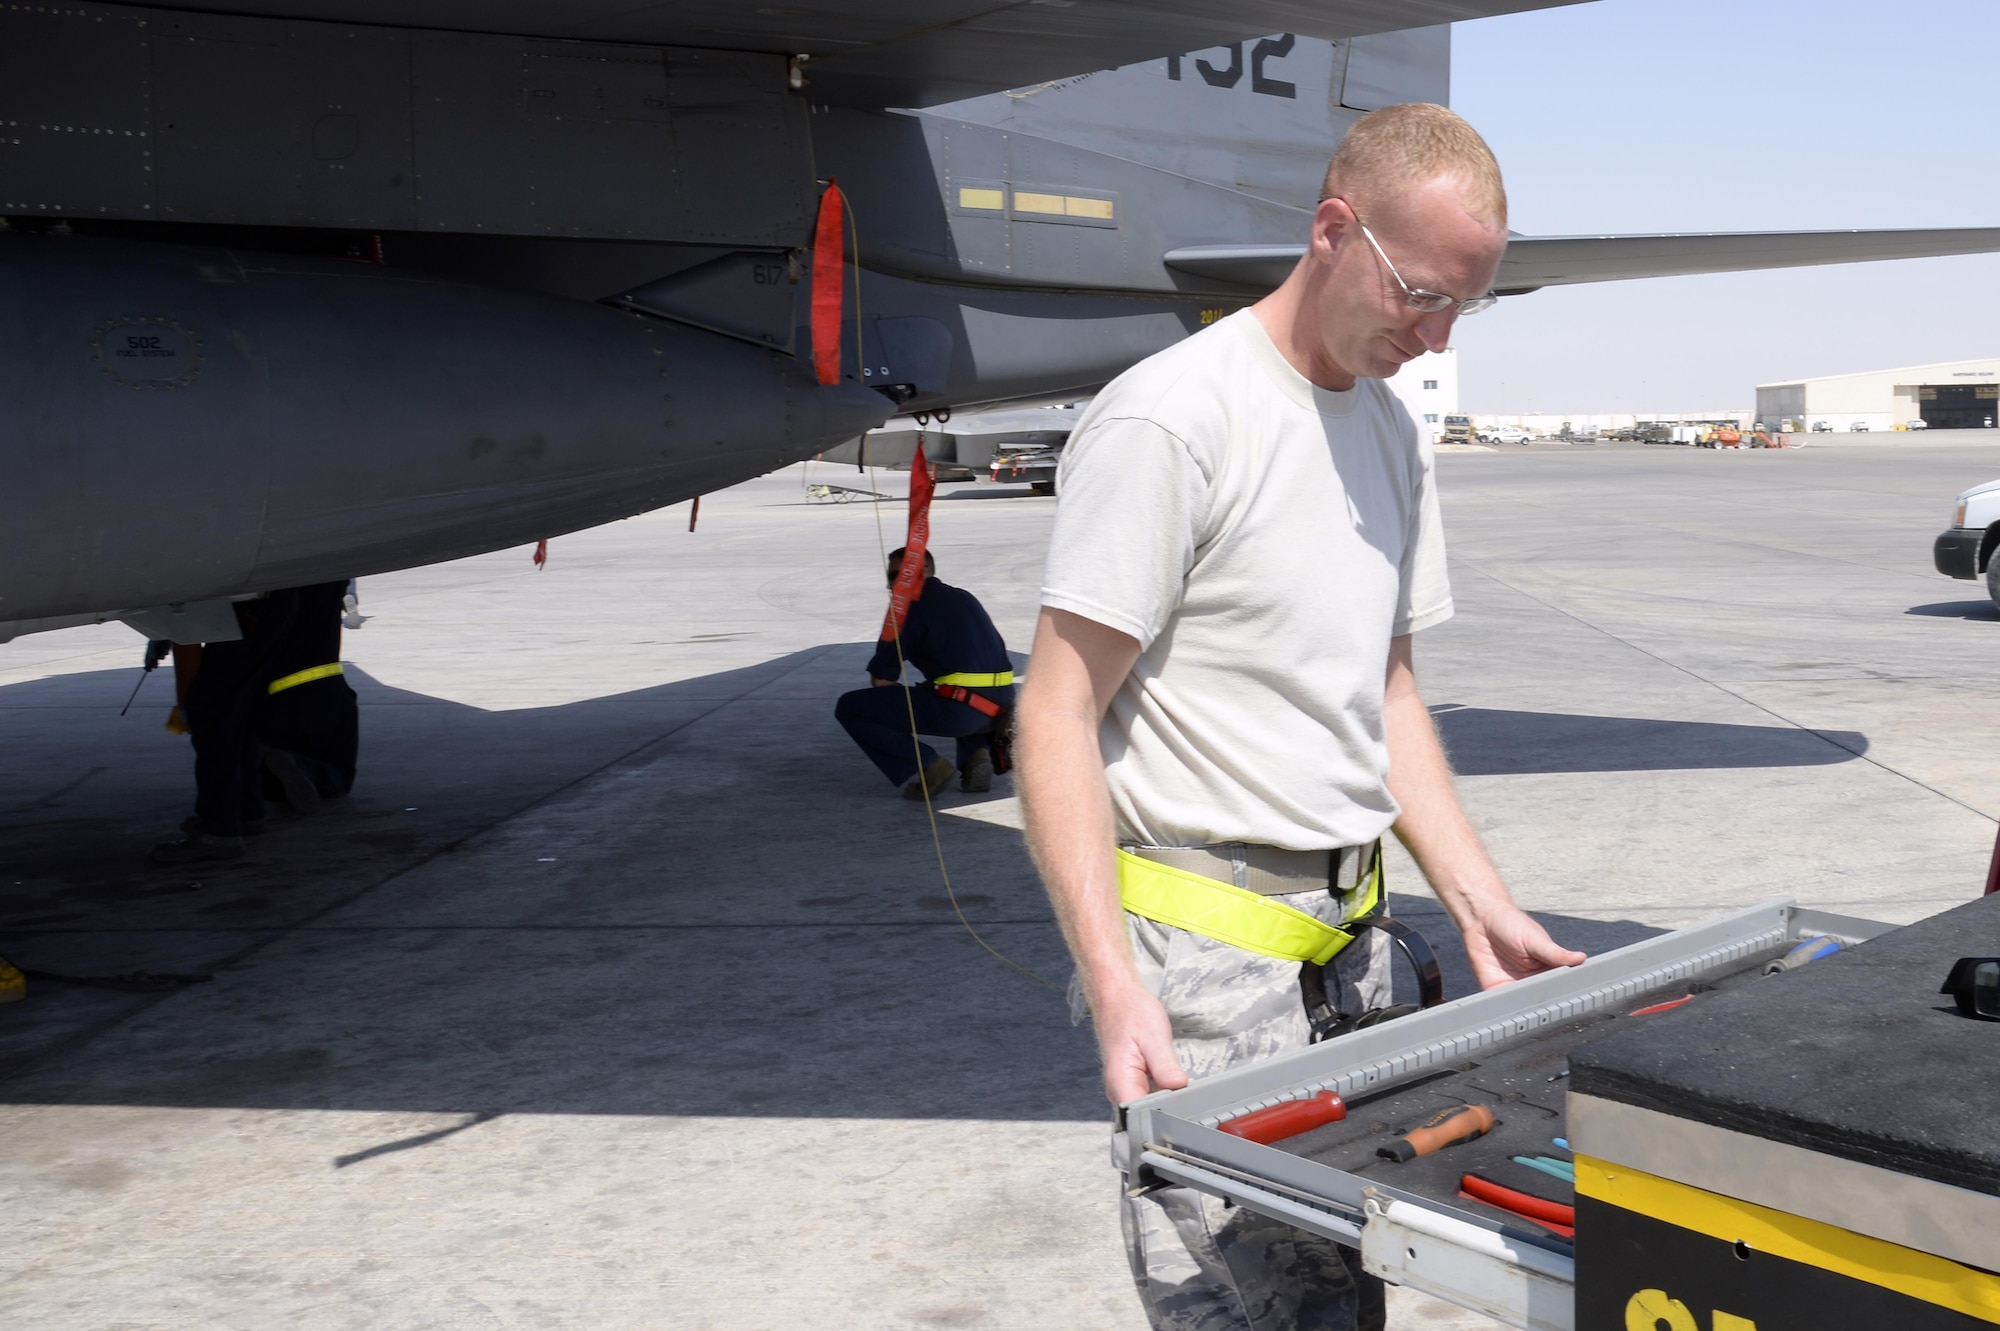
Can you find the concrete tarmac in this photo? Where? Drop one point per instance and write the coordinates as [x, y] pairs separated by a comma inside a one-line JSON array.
[[624, 993]]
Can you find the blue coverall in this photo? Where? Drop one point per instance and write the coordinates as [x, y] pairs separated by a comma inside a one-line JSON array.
[[947, 633]]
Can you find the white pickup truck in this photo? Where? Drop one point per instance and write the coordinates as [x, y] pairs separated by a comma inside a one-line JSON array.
[[1505, 434], [1966, 551]]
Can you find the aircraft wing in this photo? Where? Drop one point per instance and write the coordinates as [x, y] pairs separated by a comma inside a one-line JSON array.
[[1533, 262], [911, 52]]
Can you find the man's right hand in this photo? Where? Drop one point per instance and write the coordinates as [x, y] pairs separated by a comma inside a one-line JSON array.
[[1077, 666], [1136, 1040]]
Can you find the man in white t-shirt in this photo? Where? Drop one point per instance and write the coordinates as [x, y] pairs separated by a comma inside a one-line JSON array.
[[1221, 718]]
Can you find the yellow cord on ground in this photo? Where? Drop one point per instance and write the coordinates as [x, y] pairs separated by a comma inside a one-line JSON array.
[[930, 810], [882, 549]]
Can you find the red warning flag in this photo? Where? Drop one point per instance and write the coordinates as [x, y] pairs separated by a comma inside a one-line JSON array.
[[828, 278], [541, 553], [909, 585]]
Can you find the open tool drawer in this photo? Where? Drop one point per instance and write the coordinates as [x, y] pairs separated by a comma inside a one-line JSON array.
[[1506, 1048]]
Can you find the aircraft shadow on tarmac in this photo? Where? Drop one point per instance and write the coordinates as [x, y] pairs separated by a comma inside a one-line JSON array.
[[692, 899], [1489, 742], [1982, 609]]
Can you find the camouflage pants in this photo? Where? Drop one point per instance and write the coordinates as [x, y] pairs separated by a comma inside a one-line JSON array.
[[1200, 1264]]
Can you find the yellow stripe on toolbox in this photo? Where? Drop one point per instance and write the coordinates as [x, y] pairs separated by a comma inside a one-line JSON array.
[[1920, 1275]]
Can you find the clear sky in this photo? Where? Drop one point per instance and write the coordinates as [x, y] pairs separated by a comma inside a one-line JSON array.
[[1733, 115]]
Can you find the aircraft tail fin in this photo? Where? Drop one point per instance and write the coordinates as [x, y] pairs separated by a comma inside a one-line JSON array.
[[1258, 116]]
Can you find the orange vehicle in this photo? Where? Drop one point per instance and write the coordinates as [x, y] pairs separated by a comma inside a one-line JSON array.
[[1721, 436]]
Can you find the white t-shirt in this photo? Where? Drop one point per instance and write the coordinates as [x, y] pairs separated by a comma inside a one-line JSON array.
[[1263, 539]]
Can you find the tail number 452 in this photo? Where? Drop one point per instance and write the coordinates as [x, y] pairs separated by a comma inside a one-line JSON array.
[[1229, 75]]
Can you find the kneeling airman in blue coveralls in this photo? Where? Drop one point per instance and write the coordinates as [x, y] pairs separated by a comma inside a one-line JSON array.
[[968, 686]]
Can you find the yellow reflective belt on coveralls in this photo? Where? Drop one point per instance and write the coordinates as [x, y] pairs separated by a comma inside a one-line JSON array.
[[1238, 916], [307, 676], [964, 681]]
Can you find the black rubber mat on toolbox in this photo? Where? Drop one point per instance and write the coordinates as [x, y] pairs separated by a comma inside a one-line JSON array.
[[1522, 1083], [1856, 1055]]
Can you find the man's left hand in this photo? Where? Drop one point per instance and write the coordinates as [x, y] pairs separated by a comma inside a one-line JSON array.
[[1506, 944]]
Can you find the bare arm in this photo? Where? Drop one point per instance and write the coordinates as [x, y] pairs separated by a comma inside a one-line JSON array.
[[1502, 941], [1077, 666]]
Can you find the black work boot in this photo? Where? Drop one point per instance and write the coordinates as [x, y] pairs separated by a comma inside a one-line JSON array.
[[977, 778], [197, 847], [300, 792], [927, 783]]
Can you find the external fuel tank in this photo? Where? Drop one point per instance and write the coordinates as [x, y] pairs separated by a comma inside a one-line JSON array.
[[235, 421]]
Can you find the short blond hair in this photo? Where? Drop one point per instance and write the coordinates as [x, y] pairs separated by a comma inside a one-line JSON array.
[[1400, 147]]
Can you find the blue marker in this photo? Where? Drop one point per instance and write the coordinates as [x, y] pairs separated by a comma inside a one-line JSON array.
[[1558, 1169]]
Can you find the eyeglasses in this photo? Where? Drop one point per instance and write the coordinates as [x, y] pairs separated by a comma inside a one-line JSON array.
[[1420, 300], [1975, 983]]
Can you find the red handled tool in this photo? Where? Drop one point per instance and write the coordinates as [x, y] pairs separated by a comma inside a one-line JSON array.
[[1286, 1119], [1549, 1215]]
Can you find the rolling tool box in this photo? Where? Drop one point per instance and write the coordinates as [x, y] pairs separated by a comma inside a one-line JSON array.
[[1818, 1148]]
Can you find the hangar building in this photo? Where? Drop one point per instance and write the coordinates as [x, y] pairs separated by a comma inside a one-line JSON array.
[[1954, 395]]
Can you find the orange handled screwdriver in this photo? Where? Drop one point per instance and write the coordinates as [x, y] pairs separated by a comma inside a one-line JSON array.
[[1448, 1128], [1287, 1119]]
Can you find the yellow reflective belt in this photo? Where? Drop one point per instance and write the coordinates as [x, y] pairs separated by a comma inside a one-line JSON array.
[[298, 677], [1237, 916], [1001, 680]]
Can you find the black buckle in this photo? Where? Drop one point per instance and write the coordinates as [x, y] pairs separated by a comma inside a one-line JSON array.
[[1323, 1012]]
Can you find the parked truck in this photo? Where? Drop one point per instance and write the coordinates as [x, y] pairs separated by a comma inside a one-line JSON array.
[[1965, 549]]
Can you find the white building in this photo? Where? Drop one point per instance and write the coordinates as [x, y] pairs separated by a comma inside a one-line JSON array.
[[1428, 387], [1954, 395]]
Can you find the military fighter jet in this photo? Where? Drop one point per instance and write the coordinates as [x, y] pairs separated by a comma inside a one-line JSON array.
[[293, 290]]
